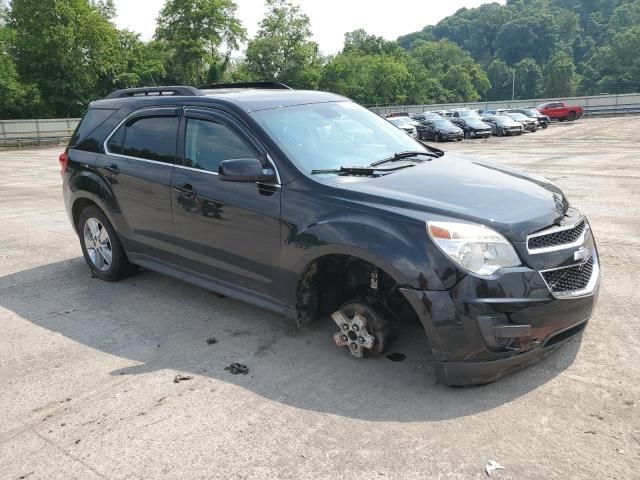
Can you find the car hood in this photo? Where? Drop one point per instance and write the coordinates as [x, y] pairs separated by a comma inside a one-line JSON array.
[[508, 200]]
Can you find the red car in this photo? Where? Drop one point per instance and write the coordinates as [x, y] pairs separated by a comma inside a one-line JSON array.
[[561, 111]]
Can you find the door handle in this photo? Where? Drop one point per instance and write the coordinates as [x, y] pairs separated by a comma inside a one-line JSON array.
[[187, 190], [113, 168]]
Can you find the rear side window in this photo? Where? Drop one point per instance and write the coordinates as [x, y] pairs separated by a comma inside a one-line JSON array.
[[149, 138], [209, 143], [90, 122]]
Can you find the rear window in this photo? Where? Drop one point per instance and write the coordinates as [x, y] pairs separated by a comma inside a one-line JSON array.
[[91, 120]]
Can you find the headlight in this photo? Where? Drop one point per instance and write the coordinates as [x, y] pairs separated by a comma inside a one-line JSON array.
[[474, 247]]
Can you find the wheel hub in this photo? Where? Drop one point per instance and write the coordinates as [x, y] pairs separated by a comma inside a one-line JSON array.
[[98, 244], [353, 333]]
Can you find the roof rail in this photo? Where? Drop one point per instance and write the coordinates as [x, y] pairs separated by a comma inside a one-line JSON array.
[[262, 85], [159, 91]]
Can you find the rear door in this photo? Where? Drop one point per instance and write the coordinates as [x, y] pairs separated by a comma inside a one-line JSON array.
[[138, 162], [227, 231]]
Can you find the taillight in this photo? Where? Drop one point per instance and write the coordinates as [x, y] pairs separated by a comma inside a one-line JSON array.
[[64, 161]]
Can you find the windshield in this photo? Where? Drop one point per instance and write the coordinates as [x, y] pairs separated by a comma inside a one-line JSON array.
[[443, 123], [518, 116], [331, 135], [532, 112], [468, 113]]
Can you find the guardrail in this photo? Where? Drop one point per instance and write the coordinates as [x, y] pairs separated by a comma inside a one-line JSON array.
[[592, 105], [35, 131]]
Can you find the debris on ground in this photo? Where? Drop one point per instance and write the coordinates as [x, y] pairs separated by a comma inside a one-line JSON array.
[[212, 340], [181, 378], [396, 357], [492, 466], [237, 369]]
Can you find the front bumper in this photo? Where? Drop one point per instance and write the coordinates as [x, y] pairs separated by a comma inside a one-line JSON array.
[[481, 133], [485, 327], [452, 136], [481, 372]]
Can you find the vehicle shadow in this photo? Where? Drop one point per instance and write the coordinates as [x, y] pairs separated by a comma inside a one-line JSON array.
[[159, 323]]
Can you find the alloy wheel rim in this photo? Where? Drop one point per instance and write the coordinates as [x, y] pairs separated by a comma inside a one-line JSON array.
[[98, 244]]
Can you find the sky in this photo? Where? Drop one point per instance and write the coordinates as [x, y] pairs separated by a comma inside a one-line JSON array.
[[330, 19]]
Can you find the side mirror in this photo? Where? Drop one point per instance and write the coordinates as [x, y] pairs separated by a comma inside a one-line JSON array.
[[245, 170]]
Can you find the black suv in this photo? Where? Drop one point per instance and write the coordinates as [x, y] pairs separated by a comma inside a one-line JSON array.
[[308, 204]]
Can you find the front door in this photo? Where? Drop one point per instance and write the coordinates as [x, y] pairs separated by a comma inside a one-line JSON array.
[[227, 231]]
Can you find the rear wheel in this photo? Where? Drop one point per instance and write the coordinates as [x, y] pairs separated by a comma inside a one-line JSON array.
[[101, 246], [500, 132], [572, 116], [467, 134]]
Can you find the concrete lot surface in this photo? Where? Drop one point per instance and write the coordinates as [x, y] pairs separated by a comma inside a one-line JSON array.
[[87, 368]]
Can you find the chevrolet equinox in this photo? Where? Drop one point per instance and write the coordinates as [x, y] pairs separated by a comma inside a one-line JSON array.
[[309, 205]]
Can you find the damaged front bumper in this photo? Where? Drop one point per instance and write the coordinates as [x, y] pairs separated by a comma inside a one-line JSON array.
[[481, 330]]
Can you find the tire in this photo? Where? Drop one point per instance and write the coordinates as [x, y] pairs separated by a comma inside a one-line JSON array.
[[436, 138], [101, 246], [545, 125], [467, 135], [572, 116], [499, 132]]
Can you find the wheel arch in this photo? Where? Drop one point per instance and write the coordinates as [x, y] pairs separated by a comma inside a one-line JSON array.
[[88, 188]]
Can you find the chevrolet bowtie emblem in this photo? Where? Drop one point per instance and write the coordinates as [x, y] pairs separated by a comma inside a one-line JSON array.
[[581, 254]]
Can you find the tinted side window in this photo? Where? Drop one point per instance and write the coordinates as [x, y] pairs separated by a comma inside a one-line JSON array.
[[208, 143], [91, 120], [151, 138], [116, 141]]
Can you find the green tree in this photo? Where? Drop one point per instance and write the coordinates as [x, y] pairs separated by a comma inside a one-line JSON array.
[[560, 76], [282, 50], [368, 79], [528, 79], [17, 100], [360, 41], [459, 76], [532, 36], [501, 77], [63, 46], [200, 36]]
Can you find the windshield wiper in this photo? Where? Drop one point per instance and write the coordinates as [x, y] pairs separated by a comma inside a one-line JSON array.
[[433, 153], [368, 170]]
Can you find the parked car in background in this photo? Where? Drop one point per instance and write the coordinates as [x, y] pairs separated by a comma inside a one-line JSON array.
[[529, 124], [426, 116], [561, 111], [397, 114], [473, 127], [439, 130], [531, 112], [463, 113], [502, 125], [405, 123]]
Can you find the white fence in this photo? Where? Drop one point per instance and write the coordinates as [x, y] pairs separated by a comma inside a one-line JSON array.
[[36, 131], [594, 105]]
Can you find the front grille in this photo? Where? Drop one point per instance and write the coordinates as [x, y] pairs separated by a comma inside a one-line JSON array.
[[555, 239], [569, 279]]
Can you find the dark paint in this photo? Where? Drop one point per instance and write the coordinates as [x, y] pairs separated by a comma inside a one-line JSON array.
[[254, 241]]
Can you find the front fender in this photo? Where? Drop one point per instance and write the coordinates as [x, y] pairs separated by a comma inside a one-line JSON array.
[[396, 247]]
